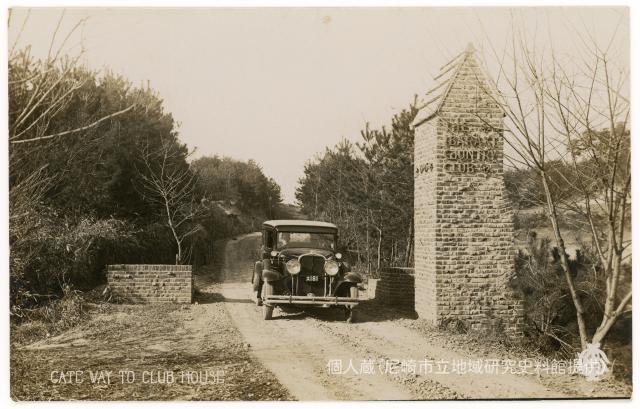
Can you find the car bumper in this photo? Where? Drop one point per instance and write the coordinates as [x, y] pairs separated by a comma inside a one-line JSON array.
[[309, 300]]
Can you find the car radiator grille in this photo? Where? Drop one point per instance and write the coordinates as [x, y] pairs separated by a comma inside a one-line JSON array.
[[311, 265]]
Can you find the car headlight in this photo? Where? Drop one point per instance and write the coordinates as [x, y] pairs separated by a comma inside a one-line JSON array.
[[274, 253], [331, 267], [293, 266], [338, 256]]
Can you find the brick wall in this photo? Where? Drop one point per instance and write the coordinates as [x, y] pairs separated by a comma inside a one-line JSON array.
[[396, 287], [463, 224], [149, 283]]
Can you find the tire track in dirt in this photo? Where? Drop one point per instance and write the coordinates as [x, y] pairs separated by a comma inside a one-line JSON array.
[[294, 348], [297, 352], [393, 342], [313, 337]]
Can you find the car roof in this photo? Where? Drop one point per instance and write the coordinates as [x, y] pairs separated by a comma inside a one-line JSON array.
[[299, 223]]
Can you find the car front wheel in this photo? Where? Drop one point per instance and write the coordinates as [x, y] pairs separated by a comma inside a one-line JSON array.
[[349, 314], [267, 310]]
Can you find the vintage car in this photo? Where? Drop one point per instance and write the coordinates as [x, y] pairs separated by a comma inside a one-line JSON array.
[[300, 265]]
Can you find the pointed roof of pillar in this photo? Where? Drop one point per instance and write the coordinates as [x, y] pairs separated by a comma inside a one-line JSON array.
[[434, 99]]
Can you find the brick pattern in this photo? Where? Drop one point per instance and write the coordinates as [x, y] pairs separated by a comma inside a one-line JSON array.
[[396, 287], [463, 224], [424, 222], [151, 283]]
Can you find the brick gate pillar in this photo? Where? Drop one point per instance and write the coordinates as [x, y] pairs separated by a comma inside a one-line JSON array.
[[463, 223]]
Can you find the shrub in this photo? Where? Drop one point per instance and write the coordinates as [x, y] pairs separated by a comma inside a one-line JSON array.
[[549, 311], [58, 253], [60, 314]]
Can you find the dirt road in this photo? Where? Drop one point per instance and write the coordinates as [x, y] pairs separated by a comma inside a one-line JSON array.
[[307, 354], [298, 346], [292, 345]]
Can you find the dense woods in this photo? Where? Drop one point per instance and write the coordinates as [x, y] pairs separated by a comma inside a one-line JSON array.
[[98, 175], [240, 183]]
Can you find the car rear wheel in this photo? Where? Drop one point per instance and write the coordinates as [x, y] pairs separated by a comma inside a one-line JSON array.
[[267, 310]]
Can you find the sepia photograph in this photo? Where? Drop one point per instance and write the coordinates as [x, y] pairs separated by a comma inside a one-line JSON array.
[[309, 204]]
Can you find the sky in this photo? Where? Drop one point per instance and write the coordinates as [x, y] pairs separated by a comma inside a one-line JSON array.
[[280, 85]]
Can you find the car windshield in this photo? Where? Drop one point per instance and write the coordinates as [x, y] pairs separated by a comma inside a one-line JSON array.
[[314, 240]]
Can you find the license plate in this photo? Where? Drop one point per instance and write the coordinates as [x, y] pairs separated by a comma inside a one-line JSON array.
[[312, 278]]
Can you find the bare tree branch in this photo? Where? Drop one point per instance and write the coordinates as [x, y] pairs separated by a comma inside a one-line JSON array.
[[72, 131]]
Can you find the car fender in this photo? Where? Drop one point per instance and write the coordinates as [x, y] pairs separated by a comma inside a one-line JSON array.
[[270, 275], [342, 288], [352, 277]]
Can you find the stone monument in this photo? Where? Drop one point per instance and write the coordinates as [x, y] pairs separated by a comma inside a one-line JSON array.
[[464, 251]]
